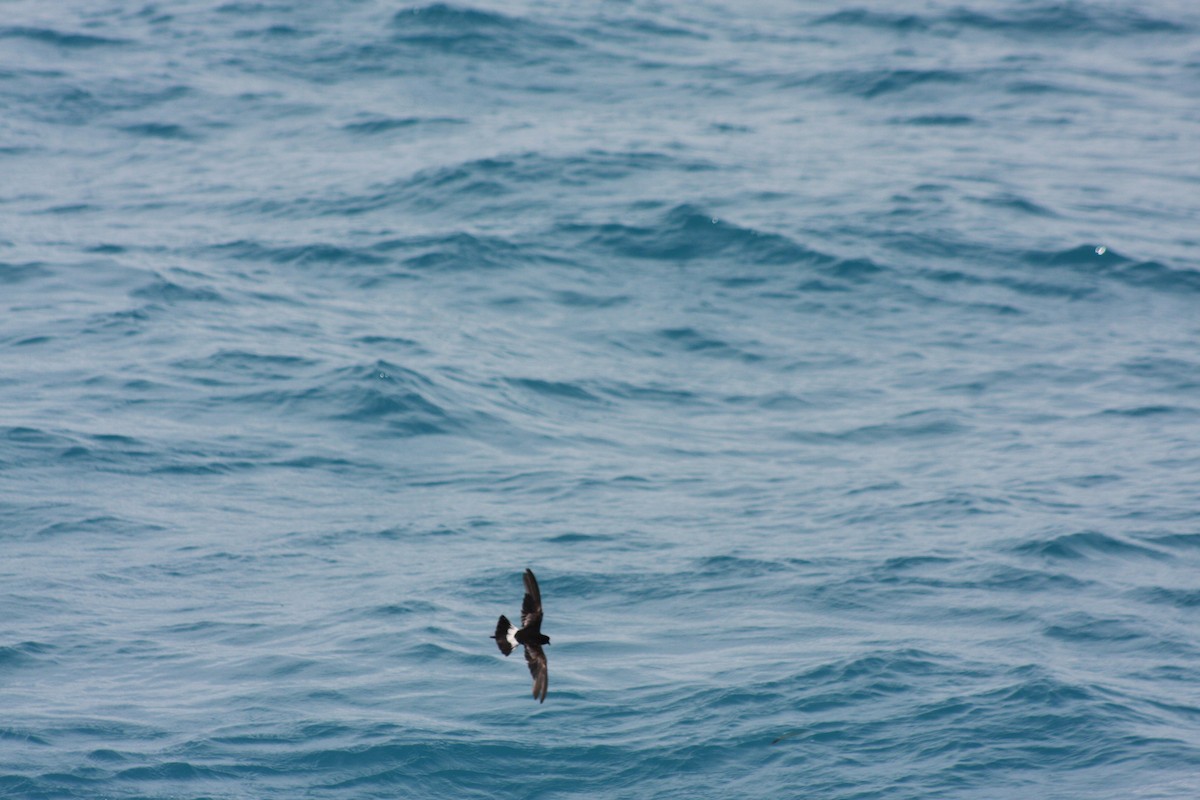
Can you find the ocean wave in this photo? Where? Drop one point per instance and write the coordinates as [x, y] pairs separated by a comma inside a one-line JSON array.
[[493, 36], [1087, 545], [874, 83], [1035, 19], [376, 125], [69, 40], [1102, 262], [686, 233], [479, 185]]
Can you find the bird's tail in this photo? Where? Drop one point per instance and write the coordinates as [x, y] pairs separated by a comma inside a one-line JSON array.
[[501, 635]]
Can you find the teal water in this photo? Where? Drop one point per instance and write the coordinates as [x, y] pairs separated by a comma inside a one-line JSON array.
[[833, 367]]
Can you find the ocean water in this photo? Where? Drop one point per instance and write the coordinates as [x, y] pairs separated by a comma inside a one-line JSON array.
[[834, 365]]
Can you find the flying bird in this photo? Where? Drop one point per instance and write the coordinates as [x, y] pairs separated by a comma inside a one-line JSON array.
[[508, 636]]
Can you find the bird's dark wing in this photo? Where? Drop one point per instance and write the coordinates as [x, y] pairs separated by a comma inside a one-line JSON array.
[[537, 668], [531, 608]]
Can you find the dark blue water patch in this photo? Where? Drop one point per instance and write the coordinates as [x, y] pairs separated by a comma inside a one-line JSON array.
[[12, 274], [739, 569], [1055, 19], [402, 412], [194, 464], [878, 83], [422, 41], [251, 7], [457, 252], [380, 125], [102, 526], [938, 120], [910, 427], [22, 655], [857, 270], [161, 130], [1086, 545], [478, 187], [1030, 19], [372, 265], [1100, 262], [61, 39], [479, 183], [335, 466], [283, 32], [1175, 541], [667, 342], [1154, 275], [173, 772], [442, 29], [653, 393], [1157, 410], [1012, 202], [32, 341], [633, 28], [412, 608], [22, 736], [780, 401], [79, 101], [164, 291], [1085, 628], [392, 400], [474, 181], [1007, 577], [554, 390], [35, 438], [240, 367], [1079, 256], [274, 667], [126, 455], [1175, 597], [578, 538], [1078, 272], [106, 249], [392, 343], [302, 255], [1092, 480], [572, 298], [68, 209], [1032, 287], [685, 233], [1049, 708], [905, 567], [885, 20], [1173, 374], [26, 447], [1022, 87], [868, 677], [21, 786]]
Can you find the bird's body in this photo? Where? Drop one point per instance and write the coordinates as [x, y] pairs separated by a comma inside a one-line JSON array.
[[529, 635]]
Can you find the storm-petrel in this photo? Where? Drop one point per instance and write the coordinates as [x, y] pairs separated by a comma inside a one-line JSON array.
[[529, 634]]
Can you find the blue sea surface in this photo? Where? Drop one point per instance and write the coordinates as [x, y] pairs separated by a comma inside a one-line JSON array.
[[834, 365]]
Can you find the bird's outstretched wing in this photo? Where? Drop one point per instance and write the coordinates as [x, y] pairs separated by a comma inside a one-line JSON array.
[[537, 668], [531, 608]]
